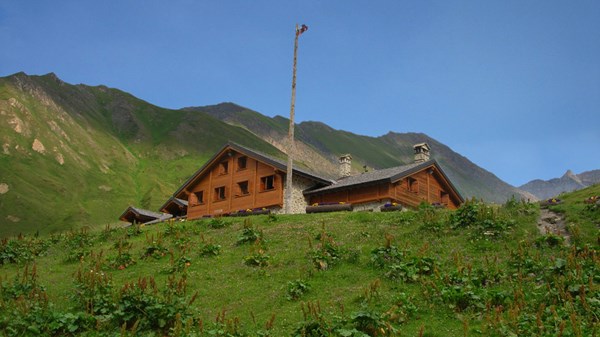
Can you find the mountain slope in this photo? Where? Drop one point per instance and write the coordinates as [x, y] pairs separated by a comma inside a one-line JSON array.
[[320, 145], [77, 155], [569, 182]]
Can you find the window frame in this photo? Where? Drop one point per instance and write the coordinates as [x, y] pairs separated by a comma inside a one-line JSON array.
[[444, 197], [220, 196], [412, 185], [242, 159], [199, 200], [264, 183], [224, 167], [241, 192]]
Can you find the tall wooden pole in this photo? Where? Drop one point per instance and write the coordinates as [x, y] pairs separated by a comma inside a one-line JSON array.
[[290, 147]]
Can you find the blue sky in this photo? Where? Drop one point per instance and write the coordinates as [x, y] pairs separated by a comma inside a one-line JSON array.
[[512, 85]]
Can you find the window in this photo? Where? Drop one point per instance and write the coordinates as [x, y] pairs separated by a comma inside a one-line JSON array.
[[223, 167], [242, 162], [267, 183], [443, 197], [199, 197], [243, 188], [412, 185], [220, 193]]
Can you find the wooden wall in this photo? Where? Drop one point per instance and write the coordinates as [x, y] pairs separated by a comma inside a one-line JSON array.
[[411, 191], [214, 177], [355, 195], [429, 188]]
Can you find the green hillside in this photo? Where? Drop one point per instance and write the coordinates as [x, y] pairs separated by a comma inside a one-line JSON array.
[[583, 219], [483, 270], [75, 155]]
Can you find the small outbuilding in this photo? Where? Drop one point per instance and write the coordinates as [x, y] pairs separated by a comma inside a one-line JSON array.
[[135, 215]]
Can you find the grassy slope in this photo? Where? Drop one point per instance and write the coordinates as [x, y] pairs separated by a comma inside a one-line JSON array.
[[582, 219], [118, 151], [225, 283]]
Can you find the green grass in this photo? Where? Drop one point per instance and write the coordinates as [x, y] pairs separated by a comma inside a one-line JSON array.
[[117, 150], [583, 220], [351, 286]]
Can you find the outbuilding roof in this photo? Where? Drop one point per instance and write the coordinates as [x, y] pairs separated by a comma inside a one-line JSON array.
[[140, 215]]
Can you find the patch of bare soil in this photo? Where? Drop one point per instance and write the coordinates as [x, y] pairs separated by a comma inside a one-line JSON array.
[[552, 222]]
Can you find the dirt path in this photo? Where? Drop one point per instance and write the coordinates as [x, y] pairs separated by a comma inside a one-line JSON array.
[[552, 222]]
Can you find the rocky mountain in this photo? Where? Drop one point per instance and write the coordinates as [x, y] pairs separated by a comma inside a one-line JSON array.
[[78, 155], [319, 147], [544, 189]]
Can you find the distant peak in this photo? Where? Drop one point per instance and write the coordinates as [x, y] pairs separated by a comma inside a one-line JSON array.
[[19, 74], [52, 76], [568, 174]]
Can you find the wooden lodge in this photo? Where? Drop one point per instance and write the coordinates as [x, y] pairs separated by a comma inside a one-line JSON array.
[[241, 181], [407, 185]]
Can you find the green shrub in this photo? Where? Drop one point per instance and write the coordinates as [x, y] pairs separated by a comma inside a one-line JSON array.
[[249, 234], [217, 223], [296, 289], [327, 254], [210, 249]]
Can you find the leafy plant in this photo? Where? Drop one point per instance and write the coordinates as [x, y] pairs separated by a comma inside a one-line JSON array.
[[259, 258], [93, 291], [411, 270], [143, 304], [386, 255], [296, 289], [327, 254], [154, 247], [178, 264], [123, 259], [249, 234], [217, 223], [210, 249], [550, 240]]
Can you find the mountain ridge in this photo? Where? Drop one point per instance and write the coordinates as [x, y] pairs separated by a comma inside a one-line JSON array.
[[78, 155], [322, 144], [568, 182]]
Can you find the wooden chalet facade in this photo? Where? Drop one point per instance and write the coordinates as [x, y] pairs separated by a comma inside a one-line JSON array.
[[238, 179], [407, 185]]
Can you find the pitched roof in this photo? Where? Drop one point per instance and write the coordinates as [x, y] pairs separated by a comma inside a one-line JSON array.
[[256, 155], [143, 214], [385, 175], [180, 202], [176, 201]]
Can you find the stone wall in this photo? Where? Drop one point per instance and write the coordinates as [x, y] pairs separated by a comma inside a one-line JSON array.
[[370, 206], [299, 202]]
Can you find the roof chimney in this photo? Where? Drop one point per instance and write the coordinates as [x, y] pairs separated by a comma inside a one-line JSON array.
[[345, 165], [421, 152]]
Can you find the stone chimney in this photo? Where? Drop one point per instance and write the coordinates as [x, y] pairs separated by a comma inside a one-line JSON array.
[[421, 152], [345, 165]]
